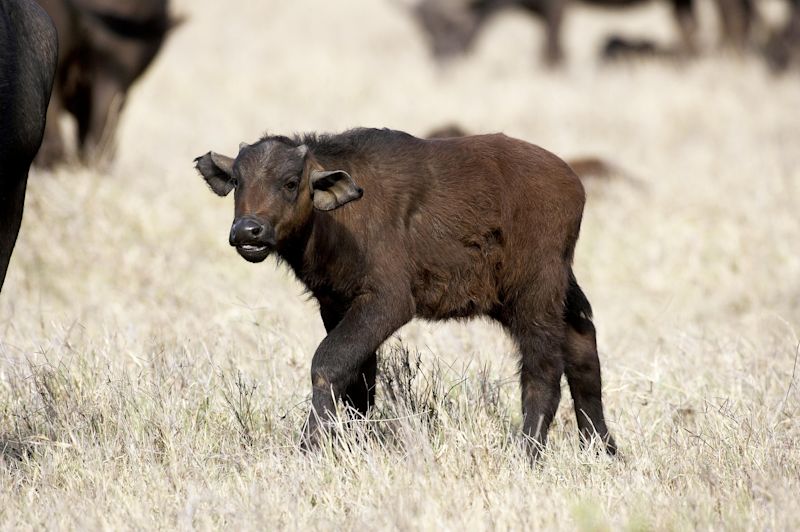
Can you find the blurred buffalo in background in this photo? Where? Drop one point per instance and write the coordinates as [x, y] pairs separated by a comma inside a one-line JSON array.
[[28, 50], [451, 26], [105, 45], [782, 50], [619, 48]]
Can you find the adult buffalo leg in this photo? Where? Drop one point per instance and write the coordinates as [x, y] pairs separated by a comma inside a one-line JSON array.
[[554, 15], [12, 201], [97, 127], [337, 364], [52, 150], [687, 24], [736, 18], [360, 394]]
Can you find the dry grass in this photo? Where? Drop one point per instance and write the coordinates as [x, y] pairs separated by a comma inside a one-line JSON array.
[[149, 378]]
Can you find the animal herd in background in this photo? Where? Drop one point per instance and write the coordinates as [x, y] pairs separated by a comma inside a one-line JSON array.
[[452, 26], [448, 238]]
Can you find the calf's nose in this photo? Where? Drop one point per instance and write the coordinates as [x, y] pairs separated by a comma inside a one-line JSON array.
[[246, 230]]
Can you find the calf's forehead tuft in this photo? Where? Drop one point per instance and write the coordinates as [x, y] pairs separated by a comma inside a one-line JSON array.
[[272, 156]]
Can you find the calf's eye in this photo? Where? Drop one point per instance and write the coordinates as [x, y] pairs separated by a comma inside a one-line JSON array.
[[291, 185]]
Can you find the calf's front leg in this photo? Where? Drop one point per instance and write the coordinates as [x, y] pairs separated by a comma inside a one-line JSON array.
[[360, 394], [349, 346]]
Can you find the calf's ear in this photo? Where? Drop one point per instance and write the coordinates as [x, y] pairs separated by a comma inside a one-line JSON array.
[[331, 190], [217, 170]]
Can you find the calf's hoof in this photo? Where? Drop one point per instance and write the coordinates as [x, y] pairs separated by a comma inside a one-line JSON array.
[[315, 431]]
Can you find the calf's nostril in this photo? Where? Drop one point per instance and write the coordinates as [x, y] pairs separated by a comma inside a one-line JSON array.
[[248, 231]]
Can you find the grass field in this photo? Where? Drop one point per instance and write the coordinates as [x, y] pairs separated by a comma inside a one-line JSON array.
[[151, 378]]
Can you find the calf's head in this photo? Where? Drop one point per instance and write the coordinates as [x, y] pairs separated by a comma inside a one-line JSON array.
[[276, 187]]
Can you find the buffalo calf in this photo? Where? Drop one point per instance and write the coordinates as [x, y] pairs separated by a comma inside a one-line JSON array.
[[28, 52], [381, 227]]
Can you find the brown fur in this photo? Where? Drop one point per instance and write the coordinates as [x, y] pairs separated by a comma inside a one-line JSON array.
[[585, 167], [449, 228]]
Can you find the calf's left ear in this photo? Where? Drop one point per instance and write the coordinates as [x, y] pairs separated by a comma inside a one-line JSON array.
[[217, 170], [331, 190]]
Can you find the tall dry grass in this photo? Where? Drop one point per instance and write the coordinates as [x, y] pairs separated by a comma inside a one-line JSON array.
[[149, 378]]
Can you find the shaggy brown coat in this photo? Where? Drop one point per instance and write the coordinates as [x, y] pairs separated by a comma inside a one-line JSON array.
[[446, 228]]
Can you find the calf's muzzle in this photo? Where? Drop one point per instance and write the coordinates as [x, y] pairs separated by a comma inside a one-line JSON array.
[[252, 238]]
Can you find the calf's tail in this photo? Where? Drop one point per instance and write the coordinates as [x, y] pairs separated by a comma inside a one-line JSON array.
[[577, 307]]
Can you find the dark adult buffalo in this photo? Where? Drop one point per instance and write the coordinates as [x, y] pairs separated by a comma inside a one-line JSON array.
[[451, 26], [28, 51], [381, 227], [105, 45]]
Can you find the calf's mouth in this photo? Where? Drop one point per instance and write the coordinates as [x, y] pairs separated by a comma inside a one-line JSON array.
[[253, 252]]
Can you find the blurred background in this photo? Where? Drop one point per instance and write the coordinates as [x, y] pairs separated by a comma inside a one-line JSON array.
[[688, 249]]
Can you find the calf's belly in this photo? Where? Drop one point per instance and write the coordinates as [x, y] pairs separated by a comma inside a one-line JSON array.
[[461, 281]]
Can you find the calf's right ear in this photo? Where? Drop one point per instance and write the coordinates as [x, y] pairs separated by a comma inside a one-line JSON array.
[[331, 190], [217, 170]]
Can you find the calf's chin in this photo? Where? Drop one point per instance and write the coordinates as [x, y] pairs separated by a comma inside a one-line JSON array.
[[254, 255]]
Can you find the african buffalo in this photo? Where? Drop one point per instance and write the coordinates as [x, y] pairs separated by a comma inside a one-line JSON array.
[[105, 45], [451, 26], [28, 51], [382, 226]]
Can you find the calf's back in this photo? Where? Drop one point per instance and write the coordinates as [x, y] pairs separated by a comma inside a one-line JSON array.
[[462, 222]]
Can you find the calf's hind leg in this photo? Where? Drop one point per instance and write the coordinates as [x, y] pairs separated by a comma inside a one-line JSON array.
[[582, 367], [541, 366]]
